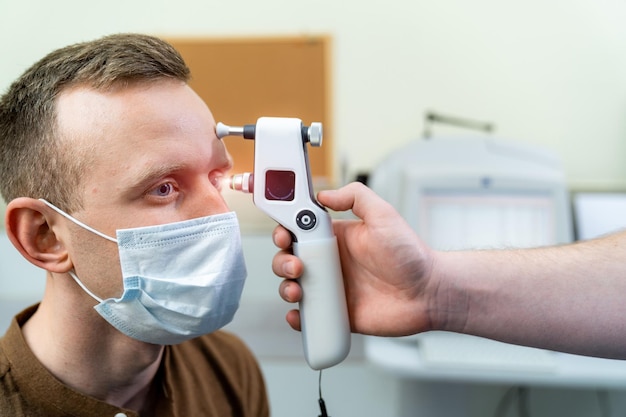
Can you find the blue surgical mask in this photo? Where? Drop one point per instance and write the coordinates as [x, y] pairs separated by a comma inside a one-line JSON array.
[[181, 280]]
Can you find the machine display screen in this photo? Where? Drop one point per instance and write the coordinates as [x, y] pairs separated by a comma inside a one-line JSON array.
[[280, 185]]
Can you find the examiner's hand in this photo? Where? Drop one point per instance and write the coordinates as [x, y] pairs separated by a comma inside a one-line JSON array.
[[386, 268]]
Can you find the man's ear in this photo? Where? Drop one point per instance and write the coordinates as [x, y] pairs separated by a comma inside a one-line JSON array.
[[28, 224]]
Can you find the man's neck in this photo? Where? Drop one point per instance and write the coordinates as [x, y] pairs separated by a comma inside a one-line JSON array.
[[86, 353]]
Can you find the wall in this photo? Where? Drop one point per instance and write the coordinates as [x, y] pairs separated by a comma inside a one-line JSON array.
[[549, 73]]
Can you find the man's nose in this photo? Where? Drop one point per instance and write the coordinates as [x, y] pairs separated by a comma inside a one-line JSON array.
[[208, 201]]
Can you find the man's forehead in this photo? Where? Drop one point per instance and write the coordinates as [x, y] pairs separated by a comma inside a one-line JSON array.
[[81, 110], [77, 100], [139, 107], [137, 116], [85, 100]]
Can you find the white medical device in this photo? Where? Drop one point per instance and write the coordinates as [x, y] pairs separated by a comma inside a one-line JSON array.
[[477, 193], [281, 186], [473, 192]]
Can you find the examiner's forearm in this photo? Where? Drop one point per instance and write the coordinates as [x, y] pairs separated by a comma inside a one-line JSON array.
[[569, 298]]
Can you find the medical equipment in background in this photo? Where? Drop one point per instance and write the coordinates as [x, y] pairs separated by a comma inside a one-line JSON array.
[[431, 118], [473, 192], [281, 186]]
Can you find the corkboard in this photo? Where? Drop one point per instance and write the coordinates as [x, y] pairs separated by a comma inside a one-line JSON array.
[[244, 79]]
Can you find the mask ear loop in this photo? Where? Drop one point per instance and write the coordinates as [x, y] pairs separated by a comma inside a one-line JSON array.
[[79, 282], [78, 222], [84, 226]]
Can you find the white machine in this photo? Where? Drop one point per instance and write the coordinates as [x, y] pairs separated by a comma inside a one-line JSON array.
[[474, 193], [477, 192], [282, 188]]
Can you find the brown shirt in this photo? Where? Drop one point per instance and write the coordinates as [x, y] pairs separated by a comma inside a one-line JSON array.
[[213, 375]]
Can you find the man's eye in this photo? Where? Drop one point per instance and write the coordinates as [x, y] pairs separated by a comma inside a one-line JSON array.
[[163, 190]]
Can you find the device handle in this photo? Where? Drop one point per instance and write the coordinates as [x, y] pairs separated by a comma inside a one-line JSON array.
[[323, 310]]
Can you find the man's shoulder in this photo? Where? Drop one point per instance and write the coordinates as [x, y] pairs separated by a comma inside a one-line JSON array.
[[9, 402], [223, 337], [218, 350], [5, 366], [221, 364]]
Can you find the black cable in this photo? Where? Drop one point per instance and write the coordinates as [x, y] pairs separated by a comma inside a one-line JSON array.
[[321, 400]]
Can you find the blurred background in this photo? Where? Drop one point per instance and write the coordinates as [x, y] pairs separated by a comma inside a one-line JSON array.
[[546, 74]]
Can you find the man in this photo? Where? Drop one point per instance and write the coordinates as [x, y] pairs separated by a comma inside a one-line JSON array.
[[566, 298], [100, 142]]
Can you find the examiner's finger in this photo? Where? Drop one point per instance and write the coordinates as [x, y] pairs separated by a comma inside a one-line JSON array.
[[357, 197], [290, 291], [293, 318], [287, 265], [281, 237]]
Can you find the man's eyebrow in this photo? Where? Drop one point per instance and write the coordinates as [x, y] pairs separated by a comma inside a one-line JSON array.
[[146, 177]]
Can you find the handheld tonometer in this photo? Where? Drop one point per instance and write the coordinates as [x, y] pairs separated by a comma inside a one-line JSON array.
[[281, 186]]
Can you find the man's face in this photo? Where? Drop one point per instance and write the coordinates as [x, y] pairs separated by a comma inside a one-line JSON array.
[[156, 159]]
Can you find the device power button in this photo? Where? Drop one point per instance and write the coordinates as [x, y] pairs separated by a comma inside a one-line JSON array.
[[306, 220]]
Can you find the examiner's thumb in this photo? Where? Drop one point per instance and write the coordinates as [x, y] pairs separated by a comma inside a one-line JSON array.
[[364, 203], [341, 199], [329, 198]]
